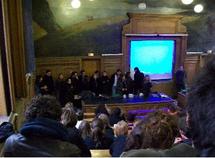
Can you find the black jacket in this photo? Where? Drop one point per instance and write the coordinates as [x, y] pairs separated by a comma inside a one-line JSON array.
[[40, 137]]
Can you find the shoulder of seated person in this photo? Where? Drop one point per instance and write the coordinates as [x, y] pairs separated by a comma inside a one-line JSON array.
[[142, 153], [181, 149]]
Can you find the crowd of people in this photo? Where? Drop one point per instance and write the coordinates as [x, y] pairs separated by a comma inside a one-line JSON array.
[[53, 130], [118, 84]]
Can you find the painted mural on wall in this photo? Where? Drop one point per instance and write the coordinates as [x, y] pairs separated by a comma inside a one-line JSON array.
[[60, 30]]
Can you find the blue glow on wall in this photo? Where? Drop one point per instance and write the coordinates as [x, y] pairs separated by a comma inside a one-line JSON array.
[[153, 57]]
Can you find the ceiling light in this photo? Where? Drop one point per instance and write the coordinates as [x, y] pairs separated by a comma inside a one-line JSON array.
[[142, 6], [187, 2], [198, 8], [75, 4]]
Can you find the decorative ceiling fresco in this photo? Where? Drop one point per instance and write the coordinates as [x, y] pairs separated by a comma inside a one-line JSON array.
[[60, 30]]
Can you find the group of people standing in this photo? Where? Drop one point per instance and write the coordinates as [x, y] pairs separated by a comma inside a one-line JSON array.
[[117, 84]]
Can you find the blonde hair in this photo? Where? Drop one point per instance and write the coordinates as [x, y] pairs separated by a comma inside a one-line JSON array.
[[68, 117]]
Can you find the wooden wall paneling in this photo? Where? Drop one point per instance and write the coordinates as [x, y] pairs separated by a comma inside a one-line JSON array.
[[57, 65], [191, 66], [91, 64], [112, 63]]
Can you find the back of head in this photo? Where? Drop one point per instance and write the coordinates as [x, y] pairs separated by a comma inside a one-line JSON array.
[[116, 111], [121, 128], [97, 131], [85, 129], [105, 119], [43, 106], [68, 117], [157, 131], [201, 103]]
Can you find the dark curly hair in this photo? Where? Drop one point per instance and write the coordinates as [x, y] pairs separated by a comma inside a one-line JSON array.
[[157, 131], [43, 106], [201, 108]]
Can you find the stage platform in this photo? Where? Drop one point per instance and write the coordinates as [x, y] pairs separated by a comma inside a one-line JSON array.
[[136, 103]]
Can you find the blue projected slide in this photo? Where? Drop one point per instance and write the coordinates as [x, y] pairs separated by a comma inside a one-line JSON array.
[[153, 57]]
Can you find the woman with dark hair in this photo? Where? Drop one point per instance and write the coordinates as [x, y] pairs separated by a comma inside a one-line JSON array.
[[101, 109], [107, 128], [116, 116], [69, 120], [138, 80], [98, 136], [60, 88], [69, 92]]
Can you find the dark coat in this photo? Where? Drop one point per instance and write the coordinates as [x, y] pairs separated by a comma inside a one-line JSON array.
[[40, 137], [118, 146], [75, 138], [105, 85]]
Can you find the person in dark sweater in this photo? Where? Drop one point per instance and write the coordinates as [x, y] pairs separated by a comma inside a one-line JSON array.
[[121, 132], [49, 82], [147, 85], [94, 83], [180, 77], [41, 135], [100, 141], [105, 84], [138, 80], [84, 81], [60, 88], [69, 120]]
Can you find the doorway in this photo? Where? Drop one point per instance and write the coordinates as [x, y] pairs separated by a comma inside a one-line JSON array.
[[90, 65]]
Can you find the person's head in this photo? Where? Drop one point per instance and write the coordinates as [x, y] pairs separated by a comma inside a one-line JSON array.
[[136, 70], [69, 81], [158, 131], [130, 117], [48, 72], [123, 78], [68, 117], [69, 105], [181, 68], [82, 72], [85, 129], [118, 72], [116, 111], [104, 73], [147, 78], [39, 79], [105, 119], [60, 76], [121, 128], [201, 107], [97, 127], [128, 74], [43, 106], [101, 109]]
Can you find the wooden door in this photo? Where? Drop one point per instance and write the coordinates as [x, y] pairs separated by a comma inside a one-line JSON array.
[[91, 65]]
